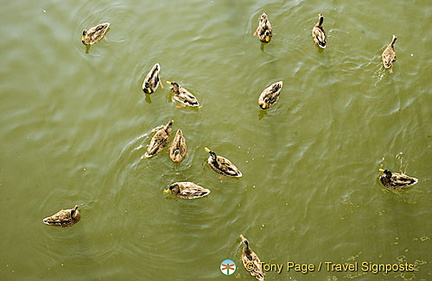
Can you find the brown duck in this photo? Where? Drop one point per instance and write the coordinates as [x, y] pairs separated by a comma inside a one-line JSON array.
[[222, 165], [64, 218], [396, 181], [264, 30], [319, 34], [270, 95], [187, 190], [389, 55], [178, 148], [251, 261], [95, 33], [159, 140]]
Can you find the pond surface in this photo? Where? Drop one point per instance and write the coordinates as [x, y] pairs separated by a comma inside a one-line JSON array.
[[74, 125]]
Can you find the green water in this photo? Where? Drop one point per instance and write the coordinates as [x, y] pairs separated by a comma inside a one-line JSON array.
[[74, 125]]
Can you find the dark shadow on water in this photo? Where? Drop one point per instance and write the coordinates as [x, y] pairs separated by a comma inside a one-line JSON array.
[[148, 98], [320, 50], [262, 113]]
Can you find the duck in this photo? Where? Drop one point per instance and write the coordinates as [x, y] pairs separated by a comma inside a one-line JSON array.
[[396, 181], [64, 218], [178, 148], [182, 95], [159, 140], [95, 33], [251, 261], [270, 95], [222, 165], [264, 30], [318, 33], [187, 190], [389, 55], [152, 80]]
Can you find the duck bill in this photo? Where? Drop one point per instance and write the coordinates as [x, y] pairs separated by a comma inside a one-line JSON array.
[[167, 191], [381, 170], [206, 149], [267, 38], [147, 90]]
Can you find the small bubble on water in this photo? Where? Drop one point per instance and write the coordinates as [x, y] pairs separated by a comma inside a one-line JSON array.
[[424, 238]]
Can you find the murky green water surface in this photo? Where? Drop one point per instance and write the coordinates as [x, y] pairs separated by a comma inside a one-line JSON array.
[[74, 126]]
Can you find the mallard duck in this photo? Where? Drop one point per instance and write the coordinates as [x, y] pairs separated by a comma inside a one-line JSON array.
[[318, 33], [159, 140], [222, 165], [182, 95], [178, 148], [95, 33], [270, 95], [396, 180], [152, 80], [264, 29], [64, 218], [251, 261], [187, 190], [389, 55]]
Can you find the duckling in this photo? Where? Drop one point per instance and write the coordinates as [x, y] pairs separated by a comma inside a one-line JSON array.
[[251, 261], [187, 190], [318, 33], [95, 33], [178, 148], [395, 180], [389, 55], [264, 30], [222, 165], [159, 140], [152, 80], [64, 218], [270, 95], [182, 95]]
